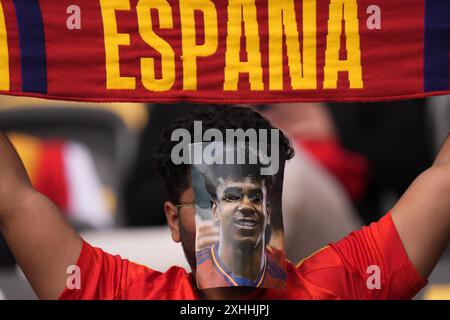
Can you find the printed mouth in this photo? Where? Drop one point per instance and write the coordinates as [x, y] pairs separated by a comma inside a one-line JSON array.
[[246, 224]]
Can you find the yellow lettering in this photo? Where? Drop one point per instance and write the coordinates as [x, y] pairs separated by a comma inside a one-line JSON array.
[[150, 37], [347, 10], [302, 71], [190, 49], [4, 55], [242, 11], [113, 40]]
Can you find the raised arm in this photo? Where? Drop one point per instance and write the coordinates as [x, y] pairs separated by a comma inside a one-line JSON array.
[[43, 243], [422, 215]]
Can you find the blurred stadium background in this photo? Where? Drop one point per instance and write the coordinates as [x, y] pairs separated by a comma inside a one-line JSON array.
[[95, 162]]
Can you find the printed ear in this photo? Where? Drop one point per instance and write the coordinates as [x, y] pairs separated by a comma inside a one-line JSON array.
[[214, 210], [269, 212]]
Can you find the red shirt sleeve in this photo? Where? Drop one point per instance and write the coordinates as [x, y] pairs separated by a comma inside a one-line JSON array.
[[370, 263], [103, 276]]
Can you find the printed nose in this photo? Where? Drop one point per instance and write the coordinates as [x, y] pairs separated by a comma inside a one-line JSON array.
[[246, 209]]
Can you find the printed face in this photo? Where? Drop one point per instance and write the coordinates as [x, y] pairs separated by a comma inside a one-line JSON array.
[[242, 210]]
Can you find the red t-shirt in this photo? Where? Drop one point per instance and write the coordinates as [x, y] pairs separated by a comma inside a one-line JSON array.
[[338, 271]]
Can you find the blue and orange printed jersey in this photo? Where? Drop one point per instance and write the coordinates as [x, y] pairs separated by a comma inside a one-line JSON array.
[[212, 272]]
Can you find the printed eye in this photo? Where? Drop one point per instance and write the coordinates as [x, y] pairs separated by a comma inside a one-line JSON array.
[[231, 197], [257, 199]]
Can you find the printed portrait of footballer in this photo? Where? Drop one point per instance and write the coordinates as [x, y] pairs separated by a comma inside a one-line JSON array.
[[239, 229]]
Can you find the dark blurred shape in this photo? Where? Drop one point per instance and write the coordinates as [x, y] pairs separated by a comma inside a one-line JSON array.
[[396, 138], [311, 127], [103, 132]]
